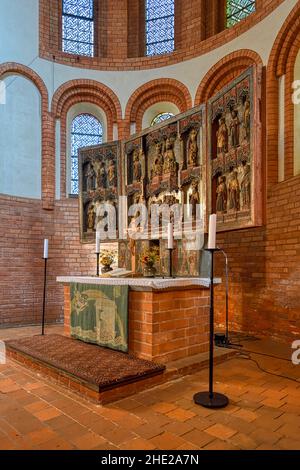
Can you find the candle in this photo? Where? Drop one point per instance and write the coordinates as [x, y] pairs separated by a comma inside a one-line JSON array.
[[170, 236], [97, 242], [212, 232], [46, 246]]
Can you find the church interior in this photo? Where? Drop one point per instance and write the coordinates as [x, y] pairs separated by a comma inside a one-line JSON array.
[[150, 225]]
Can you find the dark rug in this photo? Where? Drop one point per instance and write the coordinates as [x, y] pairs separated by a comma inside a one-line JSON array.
[[95, 365]]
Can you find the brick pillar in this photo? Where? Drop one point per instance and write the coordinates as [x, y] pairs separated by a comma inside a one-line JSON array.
[[136, 28], [48, 161]]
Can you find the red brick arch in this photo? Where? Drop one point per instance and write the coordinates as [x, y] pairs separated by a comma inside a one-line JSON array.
[[164, 89], [282, 62], [84, 90], [224, 71], [48, 147]]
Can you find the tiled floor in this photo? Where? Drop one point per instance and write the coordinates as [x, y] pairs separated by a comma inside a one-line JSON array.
[[264, 410]]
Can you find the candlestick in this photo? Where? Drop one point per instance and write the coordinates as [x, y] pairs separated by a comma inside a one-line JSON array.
[[212, 232], [170, 236], [98, 269], [211, 399], [46, 247]]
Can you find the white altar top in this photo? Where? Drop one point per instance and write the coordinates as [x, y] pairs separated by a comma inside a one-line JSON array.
[[139, 282]]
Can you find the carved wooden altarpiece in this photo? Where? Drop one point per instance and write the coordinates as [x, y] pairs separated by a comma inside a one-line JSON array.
[[99, 182], [235, 152]]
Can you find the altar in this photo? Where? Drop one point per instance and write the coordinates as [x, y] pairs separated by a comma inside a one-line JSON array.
[[168, 318]]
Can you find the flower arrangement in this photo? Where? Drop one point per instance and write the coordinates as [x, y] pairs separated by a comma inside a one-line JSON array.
[[150, 256], [107, 258]]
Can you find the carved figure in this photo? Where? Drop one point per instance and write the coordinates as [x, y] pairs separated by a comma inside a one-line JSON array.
[[90, 178], [247, 119], [91, 217], [234, 127], [102, 176], [233, 191], [170, 164], [137, 167], [112, 177], [222, 136], [157, 167], [246, 188], [221, 191], [194, 198], [192, 148]]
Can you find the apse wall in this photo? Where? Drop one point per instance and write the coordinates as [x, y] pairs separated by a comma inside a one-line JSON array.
[[263, 261]]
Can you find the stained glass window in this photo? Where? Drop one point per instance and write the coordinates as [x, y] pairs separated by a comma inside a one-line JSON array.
[[86, 131], [78, 27], [159, 26], [161, 117], [238, 9]]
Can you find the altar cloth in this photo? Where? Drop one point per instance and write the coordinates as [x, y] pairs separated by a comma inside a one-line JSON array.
[[140, 282]]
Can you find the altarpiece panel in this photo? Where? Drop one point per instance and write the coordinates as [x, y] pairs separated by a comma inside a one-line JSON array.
[[234, 153], [99, 182]]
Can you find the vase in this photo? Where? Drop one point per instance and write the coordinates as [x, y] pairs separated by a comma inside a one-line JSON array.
[[149, 271], [106, 268]]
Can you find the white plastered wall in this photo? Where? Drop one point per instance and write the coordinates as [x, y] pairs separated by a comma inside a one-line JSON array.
[[157, 108]]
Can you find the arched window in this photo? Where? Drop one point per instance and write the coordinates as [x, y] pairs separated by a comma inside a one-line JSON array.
[[238, 10], [161, 117], [159, 26], [86, 131], [78, 27]]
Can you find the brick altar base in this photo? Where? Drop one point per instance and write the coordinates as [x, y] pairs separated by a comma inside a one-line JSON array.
[[164, 325]]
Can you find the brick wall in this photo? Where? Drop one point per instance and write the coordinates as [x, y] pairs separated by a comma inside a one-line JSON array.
[[24, 225], [120, 40], [265, 269]]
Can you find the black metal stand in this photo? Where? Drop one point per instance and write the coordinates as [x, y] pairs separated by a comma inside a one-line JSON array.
[[211, 399], [98, 269], [44, 296], [170, 250]]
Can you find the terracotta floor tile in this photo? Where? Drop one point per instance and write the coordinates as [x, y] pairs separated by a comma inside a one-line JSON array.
[[180, 414], [198, 438], [264, 412], [163, 407], [167, 441], [218, 444], [147, 431], [182, 429], [243, 442], [88, 441], [220, 431], [288, 444], [118, 436], [137, 444], [247, 415], [47, 413]]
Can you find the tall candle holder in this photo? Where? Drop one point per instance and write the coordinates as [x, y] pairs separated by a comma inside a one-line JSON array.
[[98, 264], [170, 250], [211, 399]]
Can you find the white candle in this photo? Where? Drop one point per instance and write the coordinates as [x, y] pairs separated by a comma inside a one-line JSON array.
[[46, 247], [170, 236], [97, 242], [212, 233]]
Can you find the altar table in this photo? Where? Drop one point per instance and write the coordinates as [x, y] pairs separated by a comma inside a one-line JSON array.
[[168, 319]]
